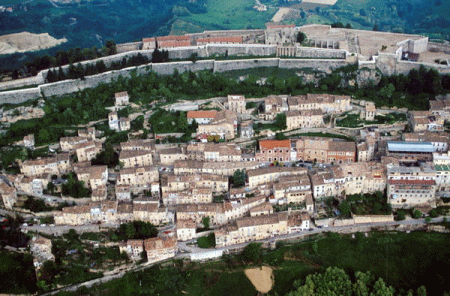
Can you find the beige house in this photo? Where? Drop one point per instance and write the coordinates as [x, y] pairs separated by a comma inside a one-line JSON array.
[[302, 119], [173, 183], [325, 150], [186, 230], [214, 152], [87, 133], [170, 155], [223, 125], [88, 150], [8, 194], [56, 165], [425, 120], [236, 103], [298, 221], [194, 195], [252, 228], [100, 193], [264, 209], [147, 145], [92, 176], [411, 186], [139, 178], [151, 212], [122, 98], [292, 189], [135, 158], [269, 175], [69, 143], [218, 168], [369, 112], [160, 248], [134, 249]]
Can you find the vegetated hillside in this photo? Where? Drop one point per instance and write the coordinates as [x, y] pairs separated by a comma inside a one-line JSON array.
[[85, 24]]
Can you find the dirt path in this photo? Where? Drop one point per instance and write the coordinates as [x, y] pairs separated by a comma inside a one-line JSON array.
[[261, 278]]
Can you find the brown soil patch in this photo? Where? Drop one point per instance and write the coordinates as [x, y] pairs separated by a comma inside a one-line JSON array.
[[261, 278]]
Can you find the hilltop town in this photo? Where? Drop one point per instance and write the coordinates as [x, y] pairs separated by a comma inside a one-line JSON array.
[[250, 169]]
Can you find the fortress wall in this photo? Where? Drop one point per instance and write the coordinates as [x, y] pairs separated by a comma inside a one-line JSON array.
[[242, 50], [68, 86], [35, 80], [322, 65], [223, 66], [124, 47], [439, 47], [307, 52], [186, 52], [19, 96], [168, 68]]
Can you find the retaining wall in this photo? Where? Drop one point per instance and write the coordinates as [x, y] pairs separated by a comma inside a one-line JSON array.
[[322, 65], [19, 96], [223, 66], [35, 80]]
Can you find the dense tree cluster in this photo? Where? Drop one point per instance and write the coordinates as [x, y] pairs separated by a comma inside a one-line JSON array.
[[75, 188], [136, 230], [335, 281]]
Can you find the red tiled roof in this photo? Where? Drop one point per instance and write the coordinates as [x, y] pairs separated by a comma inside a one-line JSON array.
[[271, 144], [412, 182], [221, 39], [202, 114]]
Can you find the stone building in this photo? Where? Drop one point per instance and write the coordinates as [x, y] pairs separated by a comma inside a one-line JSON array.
[[135, 158], [274, 150], [280, 34], [301, 119], [236, 103], [122, 98], [160, 248]]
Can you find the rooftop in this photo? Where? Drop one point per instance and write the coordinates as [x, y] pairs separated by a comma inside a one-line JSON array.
[[423, 147]]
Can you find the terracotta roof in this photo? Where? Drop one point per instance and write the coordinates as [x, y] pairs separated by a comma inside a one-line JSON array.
[[133, 153], [261, 220], [158, 243], [186, 224], [271, 144], [412, 182], [202, 114], [171, 43], [136, 243], [342, 146], [221, 39], [167, 38]]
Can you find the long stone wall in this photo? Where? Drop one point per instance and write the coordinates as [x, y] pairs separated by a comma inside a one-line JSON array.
[[223, 66], [35, 80], [169, 68], [321, 65], [19, 96]]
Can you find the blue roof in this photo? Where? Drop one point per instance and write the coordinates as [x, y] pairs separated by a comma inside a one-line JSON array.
[[410, 147]]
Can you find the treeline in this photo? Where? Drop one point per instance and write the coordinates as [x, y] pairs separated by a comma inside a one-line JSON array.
[[80, 71], [64, 57]]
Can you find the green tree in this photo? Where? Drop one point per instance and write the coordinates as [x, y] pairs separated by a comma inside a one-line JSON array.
[[417, 214], [345, 209], [252, 252], [44, 136], [206, 222], [238, 178], [301, 37], [280, 121]]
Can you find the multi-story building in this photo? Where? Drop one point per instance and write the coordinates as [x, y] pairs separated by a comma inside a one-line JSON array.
[[139, 178], [174, 183], [301, 119], [170, 155], [160, 248], [368, 112], [439, 140], [151, 212], [122, 98], [194, 195], [218, 168], [292, 189], [411, 152], [8, 194], [223, 125], [236, 103], [246, 129], [92, 176], [135, 158], [165, 42], [146, 145], [324, 184], [276, 33], [87, 133], [425, 120], [134, 249], [201, 117], [325, 102], [261, 210], [274, 105], [123, 192], [220, 40], [56, 165], [113, 121], [325, 150], [214, 152], [100, 193], [28, 141], [186, 230], [68, 144], [88, 150], [274, 150], [440, 108], [252, 228], [270, 175], [124, 124], [411, 186]]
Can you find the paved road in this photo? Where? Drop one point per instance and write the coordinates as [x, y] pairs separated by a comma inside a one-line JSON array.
[[188, 250]]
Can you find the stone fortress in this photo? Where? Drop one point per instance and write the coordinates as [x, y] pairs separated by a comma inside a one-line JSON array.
[[325, 49]]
